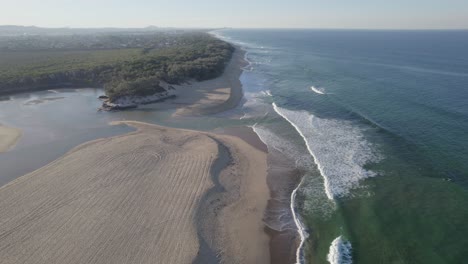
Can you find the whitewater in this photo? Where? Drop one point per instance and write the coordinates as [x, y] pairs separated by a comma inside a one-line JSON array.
[[340, 252], [338, 148], [317, 90], [340, 151]]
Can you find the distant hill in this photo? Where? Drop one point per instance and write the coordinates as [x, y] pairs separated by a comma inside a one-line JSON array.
[[13, 30]]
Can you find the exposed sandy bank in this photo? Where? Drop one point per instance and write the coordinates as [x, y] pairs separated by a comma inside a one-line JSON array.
[[133, 199], [243, 218], [9, 136], [233, 215]]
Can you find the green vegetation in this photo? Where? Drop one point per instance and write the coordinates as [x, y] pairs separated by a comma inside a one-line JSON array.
[[172, 58], [139, 87]]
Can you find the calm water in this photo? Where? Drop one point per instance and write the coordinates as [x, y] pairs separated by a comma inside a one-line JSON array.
[[380, 122], [377, 121], [53, 122]]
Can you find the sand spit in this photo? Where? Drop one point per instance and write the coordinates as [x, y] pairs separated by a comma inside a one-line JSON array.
[[9, 136], [211, 96], [133, 199]]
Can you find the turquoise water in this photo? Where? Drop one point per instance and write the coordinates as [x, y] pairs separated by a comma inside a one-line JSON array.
[[379, 122]]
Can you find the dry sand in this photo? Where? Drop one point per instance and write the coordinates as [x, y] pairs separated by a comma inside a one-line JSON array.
[[134, 199], [245, 240], [212, 96], [8, 137]]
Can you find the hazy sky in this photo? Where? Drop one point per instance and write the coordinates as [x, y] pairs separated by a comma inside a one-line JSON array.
[[393, 14]]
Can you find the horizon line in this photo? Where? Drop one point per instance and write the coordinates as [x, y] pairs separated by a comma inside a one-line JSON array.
[[247, 28]]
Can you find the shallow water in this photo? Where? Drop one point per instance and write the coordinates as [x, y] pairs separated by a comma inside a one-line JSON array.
[[61, 119]]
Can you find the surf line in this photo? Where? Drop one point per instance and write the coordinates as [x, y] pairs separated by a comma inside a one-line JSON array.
[[326, 183], [340, 250], [299, 225]]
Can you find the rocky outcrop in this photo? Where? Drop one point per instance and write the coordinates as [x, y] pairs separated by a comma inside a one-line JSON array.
[[128, 102]]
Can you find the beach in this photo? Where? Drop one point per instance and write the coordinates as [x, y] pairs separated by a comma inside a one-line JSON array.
[[8, 137], [157, 194]]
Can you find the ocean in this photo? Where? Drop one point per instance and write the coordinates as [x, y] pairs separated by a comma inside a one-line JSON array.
[[377, 121]]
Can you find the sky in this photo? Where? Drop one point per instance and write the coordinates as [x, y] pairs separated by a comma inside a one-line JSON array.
[[343, 14]]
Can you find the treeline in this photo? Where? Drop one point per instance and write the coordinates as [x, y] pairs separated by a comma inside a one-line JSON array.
[[196, 56], [138, 87], [202, 58]]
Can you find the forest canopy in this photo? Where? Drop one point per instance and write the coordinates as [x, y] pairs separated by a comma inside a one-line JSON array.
[[135, 69]]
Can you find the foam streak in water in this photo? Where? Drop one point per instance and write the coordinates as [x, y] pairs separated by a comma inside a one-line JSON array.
[[340, 252], [300, 226]]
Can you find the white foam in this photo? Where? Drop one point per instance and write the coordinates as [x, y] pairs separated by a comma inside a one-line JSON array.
[[244, 116], [340, 252], [271, 140], [317, 90], [265, 93], [300, 227], [338, 148]]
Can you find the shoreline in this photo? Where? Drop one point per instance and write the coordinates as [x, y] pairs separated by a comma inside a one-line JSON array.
[[282, 180], [9, 137]]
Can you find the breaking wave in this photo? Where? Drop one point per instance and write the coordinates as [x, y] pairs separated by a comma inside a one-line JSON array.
[[338, 148], [317, 90], [340, 252]]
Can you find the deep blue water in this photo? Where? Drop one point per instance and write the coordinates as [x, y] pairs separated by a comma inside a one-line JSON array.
[[386, 126]]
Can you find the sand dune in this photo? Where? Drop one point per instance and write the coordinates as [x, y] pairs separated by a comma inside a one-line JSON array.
[[133, 199], [8, 137]]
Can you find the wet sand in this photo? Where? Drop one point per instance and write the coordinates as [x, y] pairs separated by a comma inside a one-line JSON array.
[[133, 199], [282, 179], [8, 137]]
